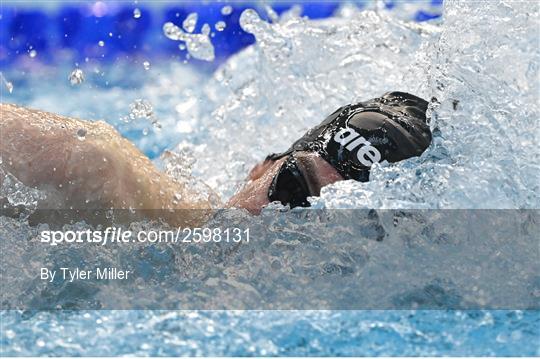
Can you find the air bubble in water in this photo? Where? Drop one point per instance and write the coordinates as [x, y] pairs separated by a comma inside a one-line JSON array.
[[182, 47], [226, 10], [220, 25], [76, 77], [81, 134], [190, 22], [136, 13], [146, 65], [32, 53], [101, 43]]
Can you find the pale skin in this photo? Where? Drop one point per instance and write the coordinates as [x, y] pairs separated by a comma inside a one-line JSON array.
[[89, 165]]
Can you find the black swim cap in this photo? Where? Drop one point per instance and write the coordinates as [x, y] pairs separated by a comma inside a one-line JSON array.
[[392, 128]]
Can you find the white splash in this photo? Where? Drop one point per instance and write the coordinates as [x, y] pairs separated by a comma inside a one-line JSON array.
[[141, 108], [198, 45], [190, 22], [76, 77]]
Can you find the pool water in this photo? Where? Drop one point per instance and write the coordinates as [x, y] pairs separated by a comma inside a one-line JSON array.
[[484, 155], [259, 333]]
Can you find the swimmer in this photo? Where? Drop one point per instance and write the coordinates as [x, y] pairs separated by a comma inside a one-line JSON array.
[[86, 165]]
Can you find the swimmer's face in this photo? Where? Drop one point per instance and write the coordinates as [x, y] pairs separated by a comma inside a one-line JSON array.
[[314, 169]]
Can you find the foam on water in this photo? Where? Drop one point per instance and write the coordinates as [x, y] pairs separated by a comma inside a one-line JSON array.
[[484, 116]]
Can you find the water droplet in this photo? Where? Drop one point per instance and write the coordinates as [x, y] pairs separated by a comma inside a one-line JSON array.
[[178, 165], [81, 134], [40, 343], [146, 65], [110, 34], [250, 21], [101, 43], [141, 108], [205, 29], [7, 83], [76, 77], [220, 25], [136, 13], [182, 47], [226, 10], [173, 32], [272, 15], [32, 53], [145, 131], [198, 45], [190, 22]]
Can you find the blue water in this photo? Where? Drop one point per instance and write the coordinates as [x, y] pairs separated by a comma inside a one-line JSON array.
[[294, 333]]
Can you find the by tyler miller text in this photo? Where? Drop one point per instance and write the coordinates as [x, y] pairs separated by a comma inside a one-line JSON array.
[[77, 274]]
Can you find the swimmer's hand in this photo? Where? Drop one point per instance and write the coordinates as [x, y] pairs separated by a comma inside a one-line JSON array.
[[85, 165]]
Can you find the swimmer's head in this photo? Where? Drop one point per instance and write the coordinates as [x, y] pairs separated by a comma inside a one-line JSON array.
[[344, 146]]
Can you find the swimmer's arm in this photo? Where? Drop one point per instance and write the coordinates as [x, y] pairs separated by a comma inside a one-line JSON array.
[[88, 165]]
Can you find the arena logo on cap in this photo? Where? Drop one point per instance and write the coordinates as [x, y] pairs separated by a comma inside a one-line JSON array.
[[366, 154]]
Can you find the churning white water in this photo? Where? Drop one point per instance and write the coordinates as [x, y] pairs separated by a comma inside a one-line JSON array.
[[478, 67]]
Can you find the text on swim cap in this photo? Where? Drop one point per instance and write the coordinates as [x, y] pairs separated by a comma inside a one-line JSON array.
[[351, 140]]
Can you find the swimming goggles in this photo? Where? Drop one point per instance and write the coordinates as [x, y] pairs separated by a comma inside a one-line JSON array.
[[289, 185]]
